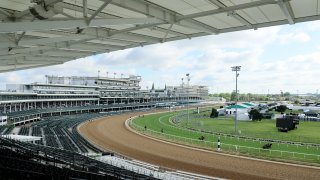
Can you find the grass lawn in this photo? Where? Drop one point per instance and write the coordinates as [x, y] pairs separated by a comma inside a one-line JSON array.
[[306, 132], [161, 124]]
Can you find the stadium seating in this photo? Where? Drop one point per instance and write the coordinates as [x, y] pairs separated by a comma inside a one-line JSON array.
[[8, 130], [50, 137], [2, 128], [62, 130], [36, 131], [20, 160], [24, 131]]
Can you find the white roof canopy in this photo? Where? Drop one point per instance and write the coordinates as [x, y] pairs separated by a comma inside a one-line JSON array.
[[35, 33]]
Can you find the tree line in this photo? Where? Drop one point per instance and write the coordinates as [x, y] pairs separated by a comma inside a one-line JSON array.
[[249, 96]]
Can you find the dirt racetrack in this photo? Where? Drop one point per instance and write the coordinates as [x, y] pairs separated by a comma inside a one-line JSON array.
[[111, 133]]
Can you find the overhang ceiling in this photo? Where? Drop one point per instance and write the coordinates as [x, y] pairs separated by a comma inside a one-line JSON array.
[[36, 33]]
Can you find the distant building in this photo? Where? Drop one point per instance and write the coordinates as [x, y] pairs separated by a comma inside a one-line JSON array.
[[76, 91], [242, 110], [181, 91]]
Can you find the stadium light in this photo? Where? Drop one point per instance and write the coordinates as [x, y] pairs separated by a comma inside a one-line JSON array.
[[236, 69], [188, 78]]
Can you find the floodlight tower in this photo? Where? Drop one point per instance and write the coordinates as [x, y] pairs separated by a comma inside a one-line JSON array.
[[188, 78], [98, 73], [236, 69]]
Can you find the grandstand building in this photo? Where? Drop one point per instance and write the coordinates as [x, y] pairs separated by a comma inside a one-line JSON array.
[[22, 103], [54, 109], [181, 91]]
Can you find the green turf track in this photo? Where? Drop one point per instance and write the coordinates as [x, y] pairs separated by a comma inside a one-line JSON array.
[[156, 123], [307, 131]]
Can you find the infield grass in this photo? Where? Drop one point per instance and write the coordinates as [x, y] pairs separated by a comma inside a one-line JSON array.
[[162, 127]]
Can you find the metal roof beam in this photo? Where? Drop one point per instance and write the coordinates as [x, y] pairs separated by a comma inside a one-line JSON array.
[[166, 34], [5, 13], [14, 56], [166, 15], [71, 24], [227, 9], [233, 14], [86, 34], [287, 10], [99, 10], [80, 9], [21, 14], [85, 9], [63, 42], [96, 47], [273, 23], [73, 52], [36, 60], [41, 41], [16, 67], [102, 14], [41, 49]]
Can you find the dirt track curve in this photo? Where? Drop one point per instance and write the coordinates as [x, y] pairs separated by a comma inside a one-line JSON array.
[[111, 134]]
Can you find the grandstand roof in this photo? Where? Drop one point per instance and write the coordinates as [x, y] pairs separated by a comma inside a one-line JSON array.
[[35, 33]]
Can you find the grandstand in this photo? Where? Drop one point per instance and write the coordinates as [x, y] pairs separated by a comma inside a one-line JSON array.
[[53, 110], [23, 103], [36, 33], [21, 160]]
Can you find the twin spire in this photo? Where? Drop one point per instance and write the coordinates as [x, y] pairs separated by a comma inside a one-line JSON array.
[[152, 88]]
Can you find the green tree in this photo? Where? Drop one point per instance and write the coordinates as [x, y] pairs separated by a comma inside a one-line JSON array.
[[281, 109], [225, 95], [255, 115], [214, 113], [286, 94], [233, 96]]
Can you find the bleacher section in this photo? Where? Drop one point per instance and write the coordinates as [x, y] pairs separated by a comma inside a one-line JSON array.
[[36, 131], [19, 160], [25, 116], [66, 143], [61, 132], [24, 131], [62, 142], [50, 137], [2, 128], [8, 130]]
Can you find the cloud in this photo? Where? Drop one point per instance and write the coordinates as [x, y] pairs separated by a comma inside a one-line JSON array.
[[300, 37], [313, 25]]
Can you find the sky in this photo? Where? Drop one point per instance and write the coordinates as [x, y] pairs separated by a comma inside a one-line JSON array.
[[281, 58]]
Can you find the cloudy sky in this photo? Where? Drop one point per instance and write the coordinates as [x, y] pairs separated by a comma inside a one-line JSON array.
[[279, 58]]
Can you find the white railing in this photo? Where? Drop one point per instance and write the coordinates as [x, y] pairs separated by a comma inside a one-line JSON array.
[[224, 146]]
